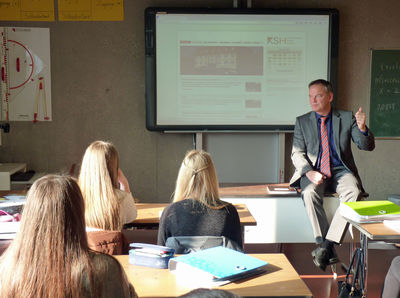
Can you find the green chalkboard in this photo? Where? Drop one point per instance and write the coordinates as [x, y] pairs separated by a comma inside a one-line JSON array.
[[385, 93]]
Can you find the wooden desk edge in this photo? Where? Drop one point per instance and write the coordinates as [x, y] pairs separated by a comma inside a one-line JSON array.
[[376, 230], [152, 217], [294, 285]]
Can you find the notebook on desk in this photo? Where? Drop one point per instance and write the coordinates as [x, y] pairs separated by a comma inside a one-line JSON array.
[[12, 200], [9, 229], [370, 211], [272, 189]]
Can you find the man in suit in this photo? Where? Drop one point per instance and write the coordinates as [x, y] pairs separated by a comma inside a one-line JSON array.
[[323, 160]]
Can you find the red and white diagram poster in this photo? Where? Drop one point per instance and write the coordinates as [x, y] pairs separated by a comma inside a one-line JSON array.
[[25, 74]]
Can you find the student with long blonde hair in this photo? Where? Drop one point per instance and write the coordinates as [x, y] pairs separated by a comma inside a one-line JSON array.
[[197, 209], [49, 256], [108, 199]]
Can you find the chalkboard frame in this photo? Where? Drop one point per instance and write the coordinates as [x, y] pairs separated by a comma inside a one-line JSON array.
[[384, 87]]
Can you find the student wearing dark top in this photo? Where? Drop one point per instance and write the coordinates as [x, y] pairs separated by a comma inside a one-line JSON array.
[[197, 209]]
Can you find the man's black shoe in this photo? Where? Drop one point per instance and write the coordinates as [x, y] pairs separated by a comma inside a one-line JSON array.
[[333, 258], [320, 257]]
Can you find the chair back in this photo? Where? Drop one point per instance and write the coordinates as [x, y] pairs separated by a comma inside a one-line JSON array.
[[188, 244], [108, 242]]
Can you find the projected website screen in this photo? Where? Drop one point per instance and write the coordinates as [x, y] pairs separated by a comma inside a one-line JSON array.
[[221, 69]]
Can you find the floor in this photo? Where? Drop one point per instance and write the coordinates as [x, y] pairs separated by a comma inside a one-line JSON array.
[[322, 284]]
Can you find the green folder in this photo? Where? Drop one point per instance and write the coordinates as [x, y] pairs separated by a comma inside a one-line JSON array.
[[367, 211]]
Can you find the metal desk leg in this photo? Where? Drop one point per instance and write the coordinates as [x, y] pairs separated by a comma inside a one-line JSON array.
[[364, 246]]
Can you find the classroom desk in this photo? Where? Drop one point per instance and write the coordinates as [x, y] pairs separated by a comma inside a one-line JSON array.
[[374, 231], [276, 212], [149, 218], [149, 214], [6, 170], [250, 190], [12, 192], [280, 280], [12, 206]]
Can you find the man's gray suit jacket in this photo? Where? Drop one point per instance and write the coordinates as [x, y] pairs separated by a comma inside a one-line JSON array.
[[306, 142]]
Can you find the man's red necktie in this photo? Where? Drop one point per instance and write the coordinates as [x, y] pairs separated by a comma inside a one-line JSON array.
[[325, 167]]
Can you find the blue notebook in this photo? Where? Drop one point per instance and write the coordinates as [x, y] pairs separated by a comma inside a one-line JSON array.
[[217, 264]]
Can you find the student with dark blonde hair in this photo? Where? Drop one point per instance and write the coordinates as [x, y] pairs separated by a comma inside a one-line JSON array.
[[50, 256], [108, 199], [197, 209]]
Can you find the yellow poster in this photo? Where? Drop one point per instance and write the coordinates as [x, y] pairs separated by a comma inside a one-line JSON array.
[[90, 10], [27, 10]]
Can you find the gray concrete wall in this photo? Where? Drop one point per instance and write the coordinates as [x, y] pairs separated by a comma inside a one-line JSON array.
[[98, 93]]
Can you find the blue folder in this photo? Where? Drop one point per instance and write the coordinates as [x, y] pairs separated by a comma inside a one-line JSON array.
[[220, 263]]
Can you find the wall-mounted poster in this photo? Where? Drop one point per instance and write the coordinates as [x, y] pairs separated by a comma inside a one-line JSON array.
[[91, 10], [27, 10], [25, 74]]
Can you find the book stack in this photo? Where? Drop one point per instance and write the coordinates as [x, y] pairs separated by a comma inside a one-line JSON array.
[[370, 211]]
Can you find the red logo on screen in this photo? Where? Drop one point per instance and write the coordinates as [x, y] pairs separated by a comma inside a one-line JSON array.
[[276, 40]]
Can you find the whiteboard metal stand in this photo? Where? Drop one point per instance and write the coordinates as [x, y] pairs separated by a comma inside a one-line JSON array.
[[199, 141], [198, 137], [236, 3], [280, 155]]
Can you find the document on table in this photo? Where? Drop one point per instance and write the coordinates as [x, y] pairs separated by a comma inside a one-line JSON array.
[[281, 190], [8, 230], [393, 224], [12, 200]]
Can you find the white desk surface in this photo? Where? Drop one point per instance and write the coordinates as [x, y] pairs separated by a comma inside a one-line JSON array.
[[12, 168], [6, 170]]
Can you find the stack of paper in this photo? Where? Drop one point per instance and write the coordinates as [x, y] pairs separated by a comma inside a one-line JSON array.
[[393, 224], [8, 229], [12, 200], [370, 211]]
